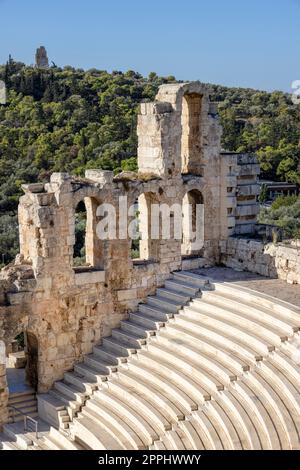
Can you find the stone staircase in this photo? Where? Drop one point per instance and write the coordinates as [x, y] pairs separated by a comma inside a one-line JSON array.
[[22, 403], [200, 365]]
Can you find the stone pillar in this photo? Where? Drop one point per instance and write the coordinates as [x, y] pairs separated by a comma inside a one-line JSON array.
[[149, 247], [154, 126], [3, 387], [93, 245]]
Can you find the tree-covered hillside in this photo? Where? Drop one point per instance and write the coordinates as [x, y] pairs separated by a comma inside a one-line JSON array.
[[265, 123], [66, 119]]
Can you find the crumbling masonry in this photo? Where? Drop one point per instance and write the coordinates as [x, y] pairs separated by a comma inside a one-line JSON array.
[[63, 310]]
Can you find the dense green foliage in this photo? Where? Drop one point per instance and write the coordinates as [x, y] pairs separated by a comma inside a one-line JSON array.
[[66, 119], [265, 123], [285, 213]]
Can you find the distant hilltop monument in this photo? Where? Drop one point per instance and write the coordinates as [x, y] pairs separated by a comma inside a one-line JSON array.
[[41, 58]]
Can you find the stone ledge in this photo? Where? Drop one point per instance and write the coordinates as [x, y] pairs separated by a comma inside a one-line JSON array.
[[33, 188], [89, 277], [144, 262], [193, 262]]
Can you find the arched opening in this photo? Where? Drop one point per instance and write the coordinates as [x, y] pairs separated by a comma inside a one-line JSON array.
[[192, 224], [22, 363], [134, 233], [88, 248], [191, 145], [146, 246], [79, 254], [32, 360]]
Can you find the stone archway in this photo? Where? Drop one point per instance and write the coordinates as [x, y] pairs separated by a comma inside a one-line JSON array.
[[31, 348], [22, 360], [193, 224], [92, 247]]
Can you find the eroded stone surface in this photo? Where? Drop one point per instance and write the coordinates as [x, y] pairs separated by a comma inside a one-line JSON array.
[[275, 260]]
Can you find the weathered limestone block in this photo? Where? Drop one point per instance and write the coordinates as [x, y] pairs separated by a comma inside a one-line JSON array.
[[91, 277], [59, 177], [100, 176], [127, 294], [33, 188], [17, 360], [158, 107]]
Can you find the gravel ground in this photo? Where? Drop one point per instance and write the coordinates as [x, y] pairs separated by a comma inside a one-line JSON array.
[[275, 287]]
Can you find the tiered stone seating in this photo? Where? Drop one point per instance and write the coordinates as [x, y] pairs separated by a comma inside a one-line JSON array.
[[201, 365]]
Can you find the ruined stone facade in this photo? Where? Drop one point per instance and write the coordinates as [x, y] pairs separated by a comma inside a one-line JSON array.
[[64, 310], [275, 260]]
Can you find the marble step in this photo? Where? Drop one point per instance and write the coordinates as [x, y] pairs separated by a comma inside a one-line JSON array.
[[108, 356], [119, 427], [176, 297], [271, 335], [156, 313], [117, 346], [131, 340], [191, 278], [182, 287], [129, 326], [89, 374], [253, 340], [103, 367], [281, 309], [164, 304], [249, 310], [130, 414]]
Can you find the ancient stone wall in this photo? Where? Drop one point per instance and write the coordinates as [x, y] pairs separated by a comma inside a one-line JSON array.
[[64, 309], [268, 259], [70, 309]]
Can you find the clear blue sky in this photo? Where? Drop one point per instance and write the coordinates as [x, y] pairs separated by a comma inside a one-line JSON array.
[[232, 42]]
